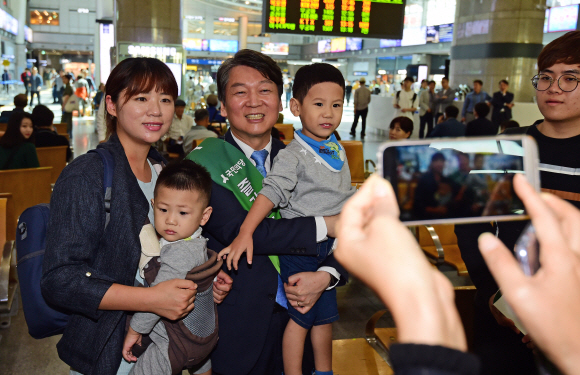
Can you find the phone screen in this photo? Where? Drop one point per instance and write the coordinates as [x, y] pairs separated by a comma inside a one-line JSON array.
[[462, 180]]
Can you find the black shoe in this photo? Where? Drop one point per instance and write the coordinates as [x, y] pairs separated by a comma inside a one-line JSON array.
[[362, 136], [352, 134]]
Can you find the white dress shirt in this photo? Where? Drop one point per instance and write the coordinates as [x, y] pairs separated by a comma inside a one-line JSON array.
[[321, 229], [179, 126]]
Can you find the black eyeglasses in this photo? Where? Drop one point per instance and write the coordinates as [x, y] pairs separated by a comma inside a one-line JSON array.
[[566, 82]]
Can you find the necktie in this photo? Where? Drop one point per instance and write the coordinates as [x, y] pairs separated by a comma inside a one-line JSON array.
[[260, 158]]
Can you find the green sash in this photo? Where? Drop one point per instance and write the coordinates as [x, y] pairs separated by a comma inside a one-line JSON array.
[[230, 169]]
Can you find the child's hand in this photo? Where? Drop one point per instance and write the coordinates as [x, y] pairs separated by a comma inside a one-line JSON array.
[[242, 243], [131, 339]]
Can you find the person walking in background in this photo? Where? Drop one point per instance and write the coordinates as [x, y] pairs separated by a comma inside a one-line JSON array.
[[443, 99], [481, 125], [67, 94], [426, 109], [362, 98], [35, 85], [348, 91], [5, 79], [474, 97], [25, 78], [57, 88], [17, 149], [82, 91], [288, 89], [503, 102]]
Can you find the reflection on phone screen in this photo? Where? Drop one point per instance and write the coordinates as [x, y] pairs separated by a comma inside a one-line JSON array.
[[445, 180]]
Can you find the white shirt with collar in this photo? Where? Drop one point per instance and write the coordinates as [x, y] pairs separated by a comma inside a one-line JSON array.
[[179, 126], [321, 229]]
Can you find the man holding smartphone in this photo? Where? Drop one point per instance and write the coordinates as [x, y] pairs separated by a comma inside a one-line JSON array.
[[558, 139]]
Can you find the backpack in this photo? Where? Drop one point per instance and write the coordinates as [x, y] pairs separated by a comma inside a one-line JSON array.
[[42, 320]]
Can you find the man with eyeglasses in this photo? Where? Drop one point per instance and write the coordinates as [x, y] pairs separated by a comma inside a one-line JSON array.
[[558, 136]]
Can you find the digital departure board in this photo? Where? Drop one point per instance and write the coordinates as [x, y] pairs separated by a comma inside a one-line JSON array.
[[359, 18]]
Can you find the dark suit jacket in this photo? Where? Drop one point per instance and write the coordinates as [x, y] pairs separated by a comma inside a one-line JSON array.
[[245, 314], [5, 116], [498, 101], [480, 126], [449, 128], [82, 259], [44, 137]]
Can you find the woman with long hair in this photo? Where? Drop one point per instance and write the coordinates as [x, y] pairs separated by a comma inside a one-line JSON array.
[[90, 267], [17, 148]]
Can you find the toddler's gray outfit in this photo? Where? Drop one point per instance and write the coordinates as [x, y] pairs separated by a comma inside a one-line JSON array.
[[302, 184], [177, 259]]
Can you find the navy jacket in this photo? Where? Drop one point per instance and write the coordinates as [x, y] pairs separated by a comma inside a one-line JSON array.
[[449, 128], [83, 260], [480, 127], [245, 313]]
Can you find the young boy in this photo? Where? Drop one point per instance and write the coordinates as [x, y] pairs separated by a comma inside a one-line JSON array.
[[310, 177], [180, 205]]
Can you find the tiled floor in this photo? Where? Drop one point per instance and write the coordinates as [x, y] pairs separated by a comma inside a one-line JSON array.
[[20, 354]]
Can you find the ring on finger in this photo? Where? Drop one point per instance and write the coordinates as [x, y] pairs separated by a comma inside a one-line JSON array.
[[298, 303]]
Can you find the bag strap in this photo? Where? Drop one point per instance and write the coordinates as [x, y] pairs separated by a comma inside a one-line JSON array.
[[109, 166]]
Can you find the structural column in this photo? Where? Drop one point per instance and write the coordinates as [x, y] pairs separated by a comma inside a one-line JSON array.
[[19, 8], [495, 40], [243, 32], [149, 21]]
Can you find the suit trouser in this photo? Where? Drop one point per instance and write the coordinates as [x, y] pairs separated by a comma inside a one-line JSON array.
[[362, 113], [426, 119], [270, 361]]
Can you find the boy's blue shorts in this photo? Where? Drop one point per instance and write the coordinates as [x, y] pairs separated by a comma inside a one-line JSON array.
[[325, 310]]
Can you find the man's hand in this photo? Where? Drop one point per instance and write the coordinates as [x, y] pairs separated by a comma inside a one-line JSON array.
[[131, 339], [221, 287], [304, 289], [243, 243], [463, 119]]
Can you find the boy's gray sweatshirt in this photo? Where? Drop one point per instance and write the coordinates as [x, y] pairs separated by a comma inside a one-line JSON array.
[[302, 185]]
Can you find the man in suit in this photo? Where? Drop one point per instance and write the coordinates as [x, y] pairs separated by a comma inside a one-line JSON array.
[[481, 125], [251, 322], [503, 102], [448, 126]]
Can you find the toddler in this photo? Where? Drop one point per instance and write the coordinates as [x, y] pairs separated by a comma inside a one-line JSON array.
[[180, 206], [310, 177]]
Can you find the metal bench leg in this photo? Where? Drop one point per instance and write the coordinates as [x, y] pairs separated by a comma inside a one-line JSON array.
[[374, 341]]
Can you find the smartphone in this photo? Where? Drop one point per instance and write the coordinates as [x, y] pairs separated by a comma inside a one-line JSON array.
[[459, 180]]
